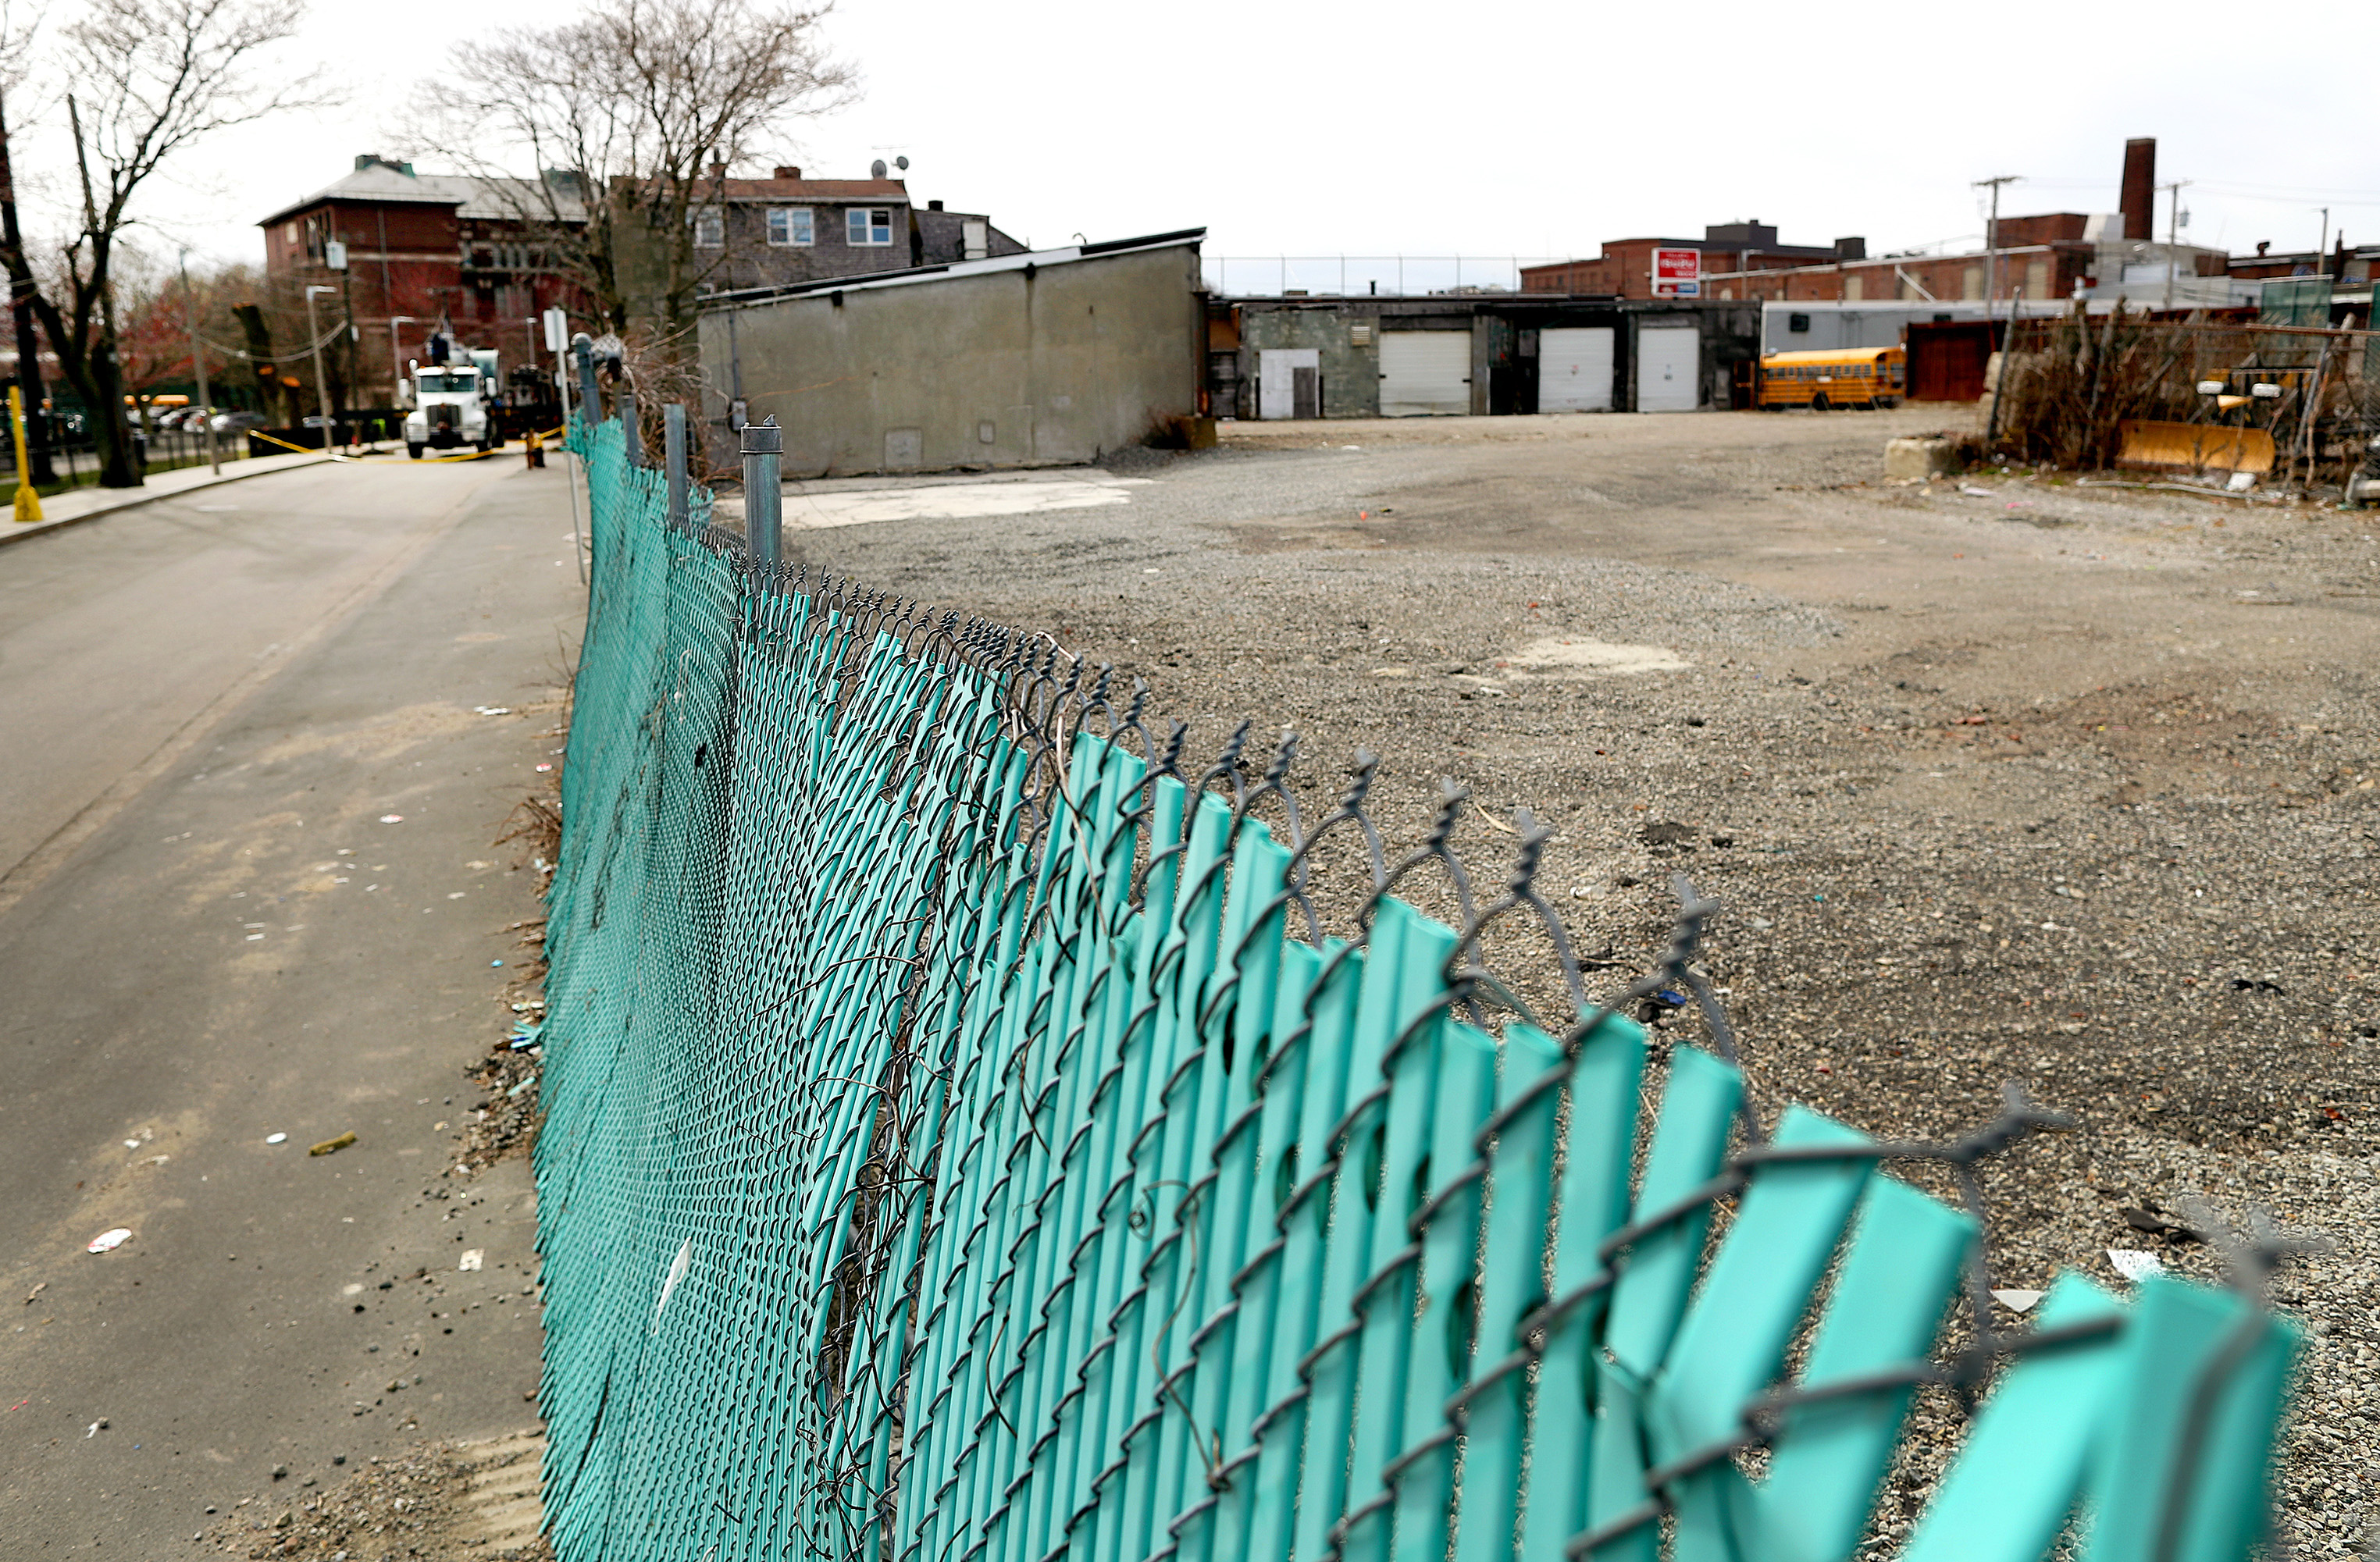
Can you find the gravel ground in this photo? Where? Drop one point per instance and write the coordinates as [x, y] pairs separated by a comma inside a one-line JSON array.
[[414, 1506], [2000, 777]]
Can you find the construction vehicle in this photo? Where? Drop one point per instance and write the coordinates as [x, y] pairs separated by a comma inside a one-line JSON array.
[[451, 404]]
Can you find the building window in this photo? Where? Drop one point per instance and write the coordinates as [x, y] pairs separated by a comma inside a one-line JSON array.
[[1797, 322], [869, 224], [790, 224], [709, 227]]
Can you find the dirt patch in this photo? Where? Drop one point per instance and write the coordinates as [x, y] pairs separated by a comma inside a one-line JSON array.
[[438, 1502]]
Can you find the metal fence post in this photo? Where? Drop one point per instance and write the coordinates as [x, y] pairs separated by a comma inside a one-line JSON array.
[[632, 429], [590, 396], [673, 464], [764, 447]]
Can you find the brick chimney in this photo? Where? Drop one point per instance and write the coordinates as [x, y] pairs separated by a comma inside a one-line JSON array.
[[787, 172], [2139, 201]]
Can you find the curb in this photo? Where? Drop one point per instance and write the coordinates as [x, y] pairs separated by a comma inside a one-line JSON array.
[[15, 533]]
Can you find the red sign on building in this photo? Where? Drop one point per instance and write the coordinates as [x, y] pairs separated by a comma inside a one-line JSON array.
[[1677, 274]]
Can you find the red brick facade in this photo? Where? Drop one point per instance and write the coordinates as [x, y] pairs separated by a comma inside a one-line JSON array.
[[420, 249]]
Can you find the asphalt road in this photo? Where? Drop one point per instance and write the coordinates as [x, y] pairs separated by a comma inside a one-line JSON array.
[[210, 935]]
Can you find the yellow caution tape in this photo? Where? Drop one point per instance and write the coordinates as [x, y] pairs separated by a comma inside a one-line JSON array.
[[300, 449]]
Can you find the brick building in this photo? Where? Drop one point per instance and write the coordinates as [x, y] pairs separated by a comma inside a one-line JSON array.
[[786, 229], [420, 248], [426, 249], [2053, 255], [1625, 268]]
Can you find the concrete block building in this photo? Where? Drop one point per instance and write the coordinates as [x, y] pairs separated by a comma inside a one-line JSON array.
[[1476, 355], [1046, 357]]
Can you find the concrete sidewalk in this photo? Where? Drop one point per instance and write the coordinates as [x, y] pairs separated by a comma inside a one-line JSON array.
[[290, 934], [62, 510]]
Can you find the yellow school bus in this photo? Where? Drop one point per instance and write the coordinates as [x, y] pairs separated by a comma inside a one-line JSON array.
[[1854, 376]]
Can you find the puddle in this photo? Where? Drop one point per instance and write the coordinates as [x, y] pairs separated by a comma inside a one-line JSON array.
[[1564, 655]]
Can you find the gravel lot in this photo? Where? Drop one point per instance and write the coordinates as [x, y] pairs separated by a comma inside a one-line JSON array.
[[2069, 786]]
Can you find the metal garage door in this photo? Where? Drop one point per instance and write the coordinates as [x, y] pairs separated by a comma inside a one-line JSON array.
[[1668, 363], [1574, 370], [1425, 371]]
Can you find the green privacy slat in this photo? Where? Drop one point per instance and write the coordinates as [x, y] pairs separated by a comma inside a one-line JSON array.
[[1733, 1339], [1759, 1286], [1444, 1320], [1905, 1254], [1511, 1273], [1328, 1367], [2015, 1478], [1697, 1110], [1381, 1149], [1698, 1107], [1419, 1067], [2192, 1427], [1591, 1203], [951, 1153]]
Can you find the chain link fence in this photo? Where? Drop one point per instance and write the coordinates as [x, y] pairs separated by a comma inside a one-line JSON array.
[[977, 1129]]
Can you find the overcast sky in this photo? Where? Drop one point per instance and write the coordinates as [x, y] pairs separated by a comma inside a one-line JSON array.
[[1495, 129]]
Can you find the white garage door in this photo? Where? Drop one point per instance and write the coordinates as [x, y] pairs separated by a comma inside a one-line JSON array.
[[1276, 379], [1668, 363], [1574, 370], [1425, 371]]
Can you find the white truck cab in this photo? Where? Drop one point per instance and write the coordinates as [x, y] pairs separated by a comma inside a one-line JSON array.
[[450, 408]]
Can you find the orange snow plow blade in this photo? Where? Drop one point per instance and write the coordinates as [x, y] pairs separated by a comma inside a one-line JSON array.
[[2193, 447]]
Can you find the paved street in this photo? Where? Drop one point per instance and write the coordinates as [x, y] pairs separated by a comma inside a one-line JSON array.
[[209, 936]]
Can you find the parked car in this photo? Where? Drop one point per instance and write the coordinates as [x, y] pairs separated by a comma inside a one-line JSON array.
[[238, 422]]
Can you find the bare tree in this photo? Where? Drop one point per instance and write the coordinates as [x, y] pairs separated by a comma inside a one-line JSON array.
[[147, 82], [631, 116]]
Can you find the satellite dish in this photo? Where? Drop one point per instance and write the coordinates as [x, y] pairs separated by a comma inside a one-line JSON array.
[[876, 169], [902, 164]]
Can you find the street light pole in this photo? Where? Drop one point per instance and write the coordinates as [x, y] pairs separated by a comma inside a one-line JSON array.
[[396, 358], [322, 384], [198, 364]]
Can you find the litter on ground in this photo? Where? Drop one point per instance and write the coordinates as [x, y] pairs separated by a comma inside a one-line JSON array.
[[2134, 1264], [332, 1146], [473, 1258], [108, 1241]]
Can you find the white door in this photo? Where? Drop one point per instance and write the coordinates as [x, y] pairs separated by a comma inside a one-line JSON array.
[[1668, 366], [1574, 370], [1425, 371], [1276, 379]]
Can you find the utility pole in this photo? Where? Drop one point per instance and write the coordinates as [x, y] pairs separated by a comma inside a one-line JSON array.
[[20, 302], [322, 385], [198, 364], [1992, 238], [2172, 235]]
